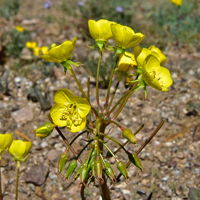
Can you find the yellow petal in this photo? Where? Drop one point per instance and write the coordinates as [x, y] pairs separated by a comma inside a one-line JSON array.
[[17, 148], [126, 63], [83, 106], [5, 141], [50, 59], [63, 52], [56, 113], [79, 127], [64, 96], [166, 76], [160, 55], [93, 29], [44, 49], [117, 33], [28, 148], [141, 54]]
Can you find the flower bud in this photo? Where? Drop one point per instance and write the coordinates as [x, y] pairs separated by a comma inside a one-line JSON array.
[[78, 172], [45, 130], [72, 166], [84, 172], [122, 168], [129, 136], [109, 171], [135, 160], [62, 161], [20, 149], [5, 141], [98, 169]]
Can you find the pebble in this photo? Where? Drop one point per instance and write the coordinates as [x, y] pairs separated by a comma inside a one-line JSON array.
[[141, 192], [37, 175], [53, 155], [23, 115], [44, 144]]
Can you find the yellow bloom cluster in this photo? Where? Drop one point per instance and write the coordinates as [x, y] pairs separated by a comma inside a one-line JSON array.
[[20, 28], [36, 49], [177, 2], [70, 110], [17, 148]]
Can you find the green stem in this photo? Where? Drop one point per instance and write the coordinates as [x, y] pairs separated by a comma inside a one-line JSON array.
[[118, 102], [1, 195], [144, 145], [119, 79], [83, 149], [108, 149], [114, 122], [17, 180], [110, 82], [83, 93], [97, 81], [127, 141], [121, 146], [88, 95], [124, 101]]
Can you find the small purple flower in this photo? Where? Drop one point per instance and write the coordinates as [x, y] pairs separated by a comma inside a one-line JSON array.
[[47, 4], [81, 3], [119, 9]]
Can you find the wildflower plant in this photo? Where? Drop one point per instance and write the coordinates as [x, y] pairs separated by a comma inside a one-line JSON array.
[[141, 68]]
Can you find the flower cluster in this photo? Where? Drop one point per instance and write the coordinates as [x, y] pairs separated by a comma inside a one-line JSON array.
[[36, 49]]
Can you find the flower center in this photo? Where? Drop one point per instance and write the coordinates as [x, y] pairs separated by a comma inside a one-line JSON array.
[[71, 115], [156, 76]]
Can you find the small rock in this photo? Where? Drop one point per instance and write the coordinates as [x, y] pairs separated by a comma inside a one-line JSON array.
[[44, 144], [37, 175], [23, 115], [172, 163], [180, 155], [141, 192], [53, 155]]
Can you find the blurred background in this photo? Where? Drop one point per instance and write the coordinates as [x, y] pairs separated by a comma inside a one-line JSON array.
[[27, 85]]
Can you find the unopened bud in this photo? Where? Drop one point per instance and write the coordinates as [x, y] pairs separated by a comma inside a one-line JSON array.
[[45, 130], [83, 175], [53, 45], [62, 161], [122, 168], [98, 169], [109, 171], [78, 172], [129, 136], [135, 160], [72, 166]]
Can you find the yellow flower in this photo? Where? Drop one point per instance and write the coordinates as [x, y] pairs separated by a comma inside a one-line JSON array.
[[142, 53], [61, 52], [177, 2], [20, 149], [20, 28], [100, 30], [154, 75], [31, 45], [126, 63], [36, 51], [5, 141], [69, 110], [125, 37], [45, 50]]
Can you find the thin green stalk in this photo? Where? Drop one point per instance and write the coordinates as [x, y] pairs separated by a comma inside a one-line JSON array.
[[144, 145], [115, 141], [83, 93], [118, 102], [88, 95], [83, 149], [114, 122], [125, 143], [1, 195], [17, 180], [108, 149], [110, 82], [97, 81], [119, 79], [121, 106]]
